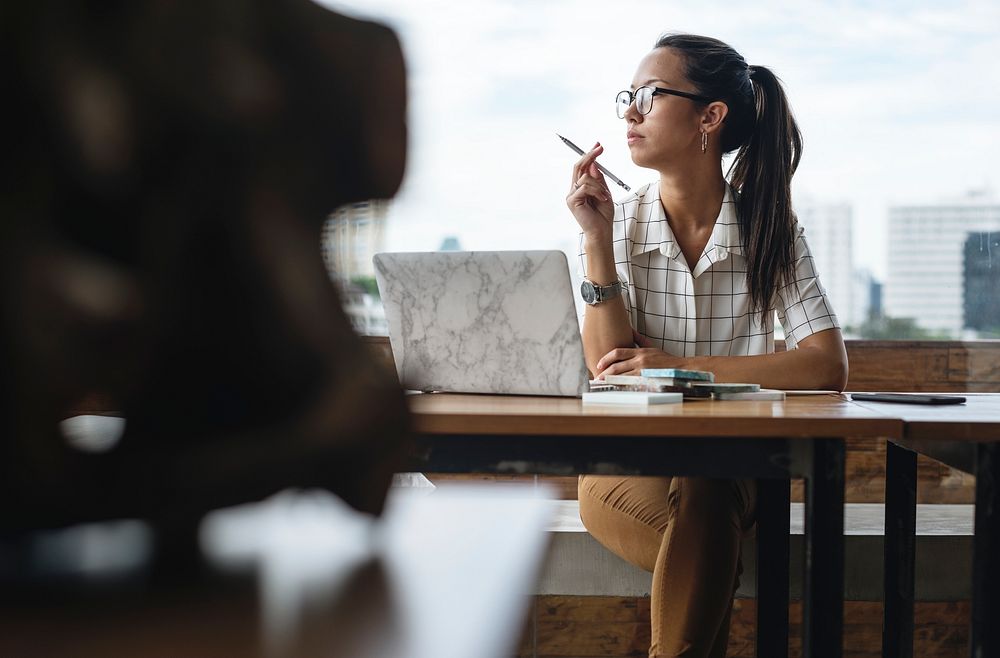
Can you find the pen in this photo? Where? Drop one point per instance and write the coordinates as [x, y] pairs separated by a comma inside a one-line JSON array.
[[599, 166]]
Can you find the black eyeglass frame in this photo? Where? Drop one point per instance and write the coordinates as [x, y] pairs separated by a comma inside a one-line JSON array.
[[656, 90]]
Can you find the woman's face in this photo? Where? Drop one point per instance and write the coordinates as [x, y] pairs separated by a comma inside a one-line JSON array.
[[670, 133]]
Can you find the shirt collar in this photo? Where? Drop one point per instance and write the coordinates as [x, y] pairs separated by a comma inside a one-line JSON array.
[[652, 231]]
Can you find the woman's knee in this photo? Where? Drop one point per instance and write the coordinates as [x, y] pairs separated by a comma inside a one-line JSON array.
[[709, 498], [627, 517], [643, 499]]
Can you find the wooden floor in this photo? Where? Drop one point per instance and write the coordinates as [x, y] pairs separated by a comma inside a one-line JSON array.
[[612, 627]]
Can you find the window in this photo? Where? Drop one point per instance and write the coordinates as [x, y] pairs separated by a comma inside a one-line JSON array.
[[895, 104]]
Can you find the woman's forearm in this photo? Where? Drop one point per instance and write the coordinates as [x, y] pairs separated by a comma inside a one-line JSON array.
[[821, 364], [606, 325]]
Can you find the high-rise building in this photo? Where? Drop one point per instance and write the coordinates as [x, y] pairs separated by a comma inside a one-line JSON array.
[[981, 285], [866, 297], [926, 247], [352, 235], [875, 299], [828, 229]]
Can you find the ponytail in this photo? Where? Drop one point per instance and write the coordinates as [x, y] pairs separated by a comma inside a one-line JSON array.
[[760, 124], [762, 174]]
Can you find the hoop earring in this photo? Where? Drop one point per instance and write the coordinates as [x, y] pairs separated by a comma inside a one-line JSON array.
[[704, 142]]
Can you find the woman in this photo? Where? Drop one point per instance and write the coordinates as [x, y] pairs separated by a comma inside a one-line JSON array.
[[703, 266]]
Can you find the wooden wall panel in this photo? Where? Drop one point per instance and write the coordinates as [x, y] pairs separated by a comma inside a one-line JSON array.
[[976, 362], [882, 367], [972, 366]]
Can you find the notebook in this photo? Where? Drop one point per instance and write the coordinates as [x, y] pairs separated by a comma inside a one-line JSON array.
[[483, 322]]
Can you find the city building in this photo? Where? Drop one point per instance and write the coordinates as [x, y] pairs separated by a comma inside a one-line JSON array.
[[828, 229], [866, 297], [352, 235], [981, 285], [926, 263], [364, 309]]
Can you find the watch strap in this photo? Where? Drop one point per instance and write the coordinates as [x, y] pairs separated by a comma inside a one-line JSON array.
[[609, 291]]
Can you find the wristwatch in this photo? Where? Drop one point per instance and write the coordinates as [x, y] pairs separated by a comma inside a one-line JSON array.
[[594, 294]]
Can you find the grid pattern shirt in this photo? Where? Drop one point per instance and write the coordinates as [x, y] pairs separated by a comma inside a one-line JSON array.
[[706, 312]]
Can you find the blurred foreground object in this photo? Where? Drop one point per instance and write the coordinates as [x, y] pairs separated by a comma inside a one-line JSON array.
[[167, 168], [330, 582]]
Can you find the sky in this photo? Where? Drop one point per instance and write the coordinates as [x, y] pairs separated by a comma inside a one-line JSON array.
[[898, 103]]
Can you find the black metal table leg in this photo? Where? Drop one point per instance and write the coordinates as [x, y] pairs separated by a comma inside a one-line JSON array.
[[823, 597], [773, 502], [899, 550], [986, 555]]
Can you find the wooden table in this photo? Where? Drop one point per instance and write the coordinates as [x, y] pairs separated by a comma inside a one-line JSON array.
[[770, 441], [966, 437]]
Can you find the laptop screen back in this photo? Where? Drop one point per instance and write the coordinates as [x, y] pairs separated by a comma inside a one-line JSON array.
[[483, 322]]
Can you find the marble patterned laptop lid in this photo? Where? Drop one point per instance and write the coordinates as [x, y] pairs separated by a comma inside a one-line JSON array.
[[483, 322]]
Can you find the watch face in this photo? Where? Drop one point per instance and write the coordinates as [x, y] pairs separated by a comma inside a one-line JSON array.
[[587, 292]]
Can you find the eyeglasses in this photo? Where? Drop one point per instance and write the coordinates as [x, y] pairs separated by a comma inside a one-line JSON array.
[[643, 97]]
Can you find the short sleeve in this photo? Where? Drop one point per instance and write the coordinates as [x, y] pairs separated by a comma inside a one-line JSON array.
[[802, 304]]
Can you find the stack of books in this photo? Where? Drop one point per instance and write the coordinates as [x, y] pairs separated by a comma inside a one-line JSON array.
[[663, 385]]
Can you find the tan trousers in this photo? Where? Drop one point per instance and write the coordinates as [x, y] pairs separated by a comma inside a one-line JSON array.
[[687, 531]]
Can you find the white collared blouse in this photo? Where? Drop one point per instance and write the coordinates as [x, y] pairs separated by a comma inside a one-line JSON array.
[[706, 312]]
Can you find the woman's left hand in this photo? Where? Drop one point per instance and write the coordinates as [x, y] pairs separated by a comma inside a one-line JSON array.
[[631, 360]]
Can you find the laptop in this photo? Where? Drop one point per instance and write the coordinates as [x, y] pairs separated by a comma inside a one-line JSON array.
[[500, 322]]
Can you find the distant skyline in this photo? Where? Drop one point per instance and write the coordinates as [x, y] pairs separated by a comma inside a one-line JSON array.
[[927, 268], [896, 101]]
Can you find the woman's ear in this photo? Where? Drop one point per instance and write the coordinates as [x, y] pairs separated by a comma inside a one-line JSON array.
[[713, 116]]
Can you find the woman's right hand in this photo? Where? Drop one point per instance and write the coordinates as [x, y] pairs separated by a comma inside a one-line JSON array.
[[589, 198]]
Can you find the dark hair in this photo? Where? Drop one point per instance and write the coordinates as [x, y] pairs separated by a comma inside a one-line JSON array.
[[760, 124]]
